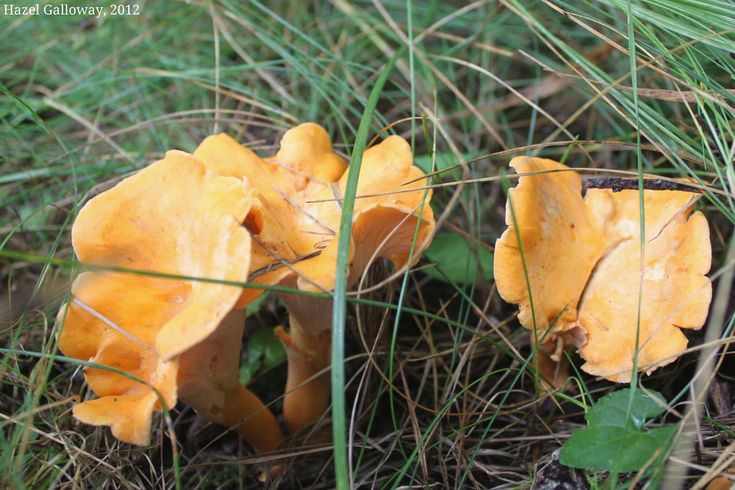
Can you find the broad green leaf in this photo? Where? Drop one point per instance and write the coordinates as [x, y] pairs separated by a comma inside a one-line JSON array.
[[611, 410], [611, 442], [457, 259], [614, 449]]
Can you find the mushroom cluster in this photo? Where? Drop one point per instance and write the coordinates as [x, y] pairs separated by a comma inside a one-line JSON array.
[[163, 311], [573, 264]]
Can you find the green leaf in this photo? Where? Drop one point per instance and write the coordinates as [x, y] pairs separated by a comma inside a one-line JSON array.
[[275, 354], [457, 259], [264, 350], [256, 345], [264, 346], [247, 372], [611, 410], [612, 441], [614, 449], [255, 306], [31, 216]]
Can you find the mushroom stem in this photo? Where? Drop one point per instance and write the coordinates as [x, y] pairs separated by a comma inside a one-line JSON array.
[[308, 345], [208, 383], [553, 368], [249, 417], [307, 387]]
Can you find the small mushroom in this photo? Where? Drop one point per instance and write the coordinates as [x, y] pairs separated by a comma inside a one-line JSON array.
[[297, 221], [170, 219], [582, 261]]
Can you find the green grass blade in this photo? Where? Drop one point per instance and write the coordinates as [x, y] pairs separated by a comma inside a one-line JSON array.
[[339, 312]]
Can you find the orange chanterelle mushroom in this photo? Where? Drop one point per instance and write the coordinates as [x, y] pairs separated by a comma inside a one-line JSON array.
[[174, 337], [294, 222], [193, 227], [573, 265]]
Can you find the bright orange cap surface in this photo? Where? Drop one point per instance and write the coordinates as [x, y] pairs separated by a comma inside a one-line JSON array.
[[561, 242], [171, 218], [384, 217], [298, 209], [582, 259], [676, 293]]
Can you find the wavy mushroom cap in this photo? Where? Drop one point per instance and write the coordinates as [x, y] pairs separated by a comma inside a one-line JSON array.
[[170, 218], [561, 241], [281, 184], [307, 149], [676, 292], [386, 216], [224, 156], [267, 219], [295, 218], [582, 260]]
